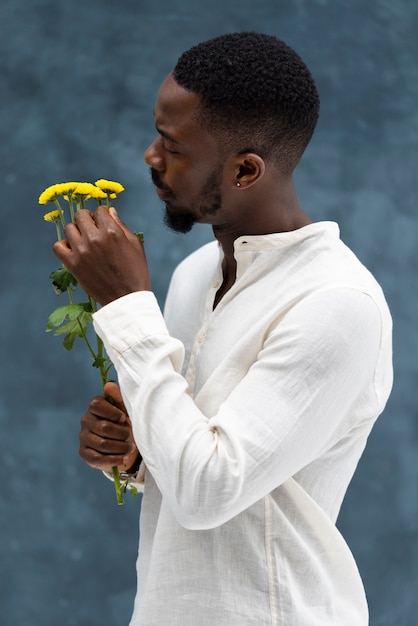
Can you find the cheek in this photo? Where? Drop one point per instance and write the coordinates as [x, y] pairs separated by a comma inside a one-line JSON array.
[[181, 176]]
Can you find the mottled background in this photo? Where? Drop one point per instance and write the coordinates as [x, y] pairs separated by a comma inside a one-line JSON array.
[[78, 84]]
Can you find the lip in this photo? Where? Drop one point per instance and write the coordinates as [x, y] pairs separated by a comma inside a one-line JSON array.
[[162, 194]]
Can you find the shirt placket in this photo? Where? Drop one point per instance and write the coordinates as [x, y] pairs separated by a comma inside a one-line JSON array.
[[201, 334]]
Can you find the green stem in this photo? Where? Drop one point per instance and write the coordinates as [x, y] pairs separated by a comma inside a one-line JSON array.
[[118, 486], [57, 204], [103, 375], [100, 347], [58, 227], [90, 349], [102, 367], [71, 205]]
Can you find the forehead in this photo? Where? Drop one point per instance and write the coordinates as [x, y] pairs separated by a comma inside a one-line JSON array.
[[176, 110]]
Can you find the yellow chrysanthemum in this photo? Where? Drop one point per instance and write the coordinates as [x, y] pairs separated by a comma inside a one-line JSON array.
[[53, 216], [84, 189], [97, 193], [49, 194], [67, 189], [109, 186]]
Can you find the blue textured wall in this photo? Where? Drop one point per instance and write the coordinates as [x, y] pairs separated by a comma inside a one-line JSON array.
[[78, 83]]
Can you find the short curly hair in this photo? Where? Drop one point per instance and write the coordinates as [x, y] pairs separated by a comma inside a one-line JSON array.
[[256, 95]]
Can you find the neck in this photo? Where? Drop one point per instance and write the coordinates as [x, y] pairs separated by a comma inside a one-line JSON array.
[[261, 214]]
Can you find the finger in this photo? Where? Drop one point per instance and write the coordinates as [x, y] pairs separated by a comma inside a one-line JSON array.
[[64, 248], [105, 220], [100, 461], [106, 428], [84, 221], [127, 231], [104, 454], [61, 249], [115, 216], [101, 408], [107, 446]]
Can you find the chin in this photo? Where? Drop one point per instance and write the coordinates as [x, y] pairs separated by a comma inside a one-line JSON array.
[[180, 223]]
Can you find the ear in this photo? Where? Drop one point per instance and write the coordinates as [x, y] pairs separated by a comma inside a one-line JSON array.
[[249, 169]]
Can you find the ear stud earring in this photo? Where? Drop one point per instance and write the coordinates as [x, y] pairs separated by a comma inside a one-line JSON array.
[[238, 184]]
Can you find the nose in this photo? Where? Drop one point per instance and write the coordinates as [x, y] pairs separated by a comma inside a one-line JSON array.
[[153, 157]]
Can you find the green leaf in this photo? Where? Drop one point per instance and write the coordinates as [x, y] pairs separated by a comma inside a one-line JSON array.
[[74, 328], [139, 235], [127, 486], [101, 360], [62, 313], [68, 341], [77, 325], [62, 279]]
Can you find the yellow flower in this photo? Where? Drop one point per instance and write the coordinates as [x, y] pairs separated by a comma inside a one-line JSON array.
[[53, 216], [109, 186], [67, 189], [97, 193], [49, 194], [84, 189]]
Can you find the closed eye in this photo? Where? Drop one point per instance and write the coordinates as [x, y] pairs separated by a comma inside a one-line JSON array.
[[167, 137], [167, 149]]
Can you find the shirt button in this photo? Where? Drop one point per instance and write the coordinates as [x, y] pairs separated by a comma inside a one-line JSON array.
[[201, 338], [215, 284]]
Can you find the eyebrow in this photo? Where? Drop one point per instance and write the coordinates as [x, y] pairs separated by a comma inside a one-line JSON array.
[[166, 135]]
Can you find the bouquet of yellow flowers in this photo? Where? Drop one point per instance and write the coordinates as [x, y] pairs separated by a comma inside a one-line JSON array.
[[74, 319]]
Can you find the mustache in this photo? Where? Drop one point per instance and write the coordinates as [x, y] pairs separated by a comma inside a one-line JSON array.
[[155, 177]]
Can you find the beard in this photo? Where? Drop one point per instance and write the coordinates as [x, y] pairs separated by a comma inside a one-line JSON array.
[[208, 202], [179, 222]]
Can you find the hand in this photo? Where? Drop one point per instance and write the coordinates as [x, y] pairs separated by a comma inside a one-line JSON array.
[[106, 258], [106, 438]]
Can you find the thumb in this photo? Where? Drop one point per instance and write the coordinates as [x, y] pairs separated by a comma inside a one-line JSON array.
[[112, 391], [127, 231], [115, 215]]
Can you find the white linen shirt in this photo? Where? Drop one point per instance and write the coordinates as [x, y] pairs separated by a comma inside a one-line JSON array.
[[251, 418]]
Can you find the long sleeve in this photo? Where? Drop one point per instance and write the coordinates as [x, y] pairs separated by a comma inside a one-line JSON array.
[[296, 400]]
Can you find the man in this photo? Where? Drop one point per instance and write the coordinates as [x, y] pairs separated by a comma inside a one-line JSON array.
[[252, 401]]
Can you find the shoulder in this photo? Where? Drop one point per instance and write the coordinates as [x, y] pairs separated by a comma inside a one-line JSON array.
[[191, 280], [205, 257]]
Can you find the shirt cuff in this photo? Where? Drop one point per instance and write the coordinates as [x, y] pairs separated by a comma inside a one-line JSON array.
[[129, 320]]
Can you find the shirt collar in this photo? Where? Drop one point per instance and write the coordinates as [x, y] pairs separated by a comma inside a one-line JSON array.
[[246, 248]]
